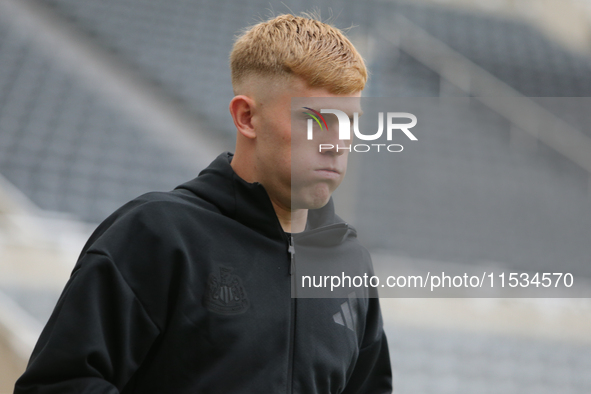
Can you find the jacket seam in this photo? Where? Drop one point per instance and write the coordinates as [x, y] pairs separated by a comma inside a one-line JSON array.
[[128, 286]]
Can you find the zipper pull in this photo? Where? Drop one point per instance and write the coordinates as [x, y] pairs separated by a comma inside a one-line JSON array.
[[291, 250]]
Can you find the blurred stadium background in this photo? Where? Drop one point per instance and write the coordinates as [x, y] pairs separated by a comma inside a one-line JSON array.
[[103, 100]]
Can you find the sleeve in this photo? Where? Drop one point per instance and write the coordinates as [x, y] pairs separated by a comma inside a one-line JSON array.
[[96, 338], [372, 373]]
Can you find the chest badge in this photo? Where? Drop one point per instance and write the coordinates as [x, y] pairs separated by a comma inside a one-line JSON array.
[[225, 294]]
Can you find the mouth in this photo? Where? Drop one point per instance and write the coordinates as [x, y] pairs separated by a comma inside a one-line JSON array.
[[329, 172], [330, 169]]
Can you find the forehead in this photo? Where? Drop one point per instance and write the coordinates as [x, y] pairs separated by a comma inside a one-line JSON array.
[[302, 95]]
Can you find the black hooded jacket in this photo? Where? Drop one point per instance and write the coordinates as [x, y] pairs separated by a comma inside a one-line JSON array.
[[189, 291]]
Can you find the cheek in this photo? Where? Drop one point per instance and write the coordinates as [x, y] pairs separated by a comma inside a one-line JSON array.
[[278, 135], [273, 139], [301, 162], [303, 150]]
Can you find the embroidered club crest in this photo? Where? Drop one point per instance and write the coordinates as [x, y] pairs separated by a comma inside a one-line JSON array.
[[225, 294]]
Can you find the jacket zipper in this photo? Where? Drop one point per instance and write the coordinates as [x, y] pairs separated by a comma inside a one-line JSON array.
[[291, 250], [292, 270]]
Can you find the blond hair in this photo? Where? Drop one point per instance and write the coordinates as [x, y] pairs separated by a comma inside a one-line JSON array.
[[301, 46]]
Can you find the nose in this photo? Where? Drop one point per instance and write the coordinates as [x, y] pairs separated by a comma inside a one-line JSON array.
[[341, 147], [335, 145]]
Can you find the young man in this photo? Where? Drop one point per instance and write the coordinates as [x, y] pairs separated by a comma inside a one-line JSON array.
[[189, 291]]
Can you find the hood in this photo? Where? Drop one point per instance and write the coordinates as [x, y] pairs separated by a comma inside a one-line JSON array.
[[249, 204]]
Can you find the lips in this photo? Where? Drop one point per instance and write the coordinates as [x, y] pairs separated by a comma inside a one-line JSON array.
[[329, 173], [329, 170]]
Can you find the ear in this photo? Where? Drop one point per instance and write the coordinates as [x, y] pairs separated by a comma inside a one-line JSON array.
[[242, 109]]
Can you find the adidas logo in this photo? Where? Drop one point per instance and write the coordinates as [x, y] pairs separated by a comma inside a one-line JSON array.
[[348, 316]]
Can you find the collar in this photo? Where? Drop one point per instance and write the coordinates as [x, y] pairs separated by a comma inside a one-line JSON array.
[[248, 203]]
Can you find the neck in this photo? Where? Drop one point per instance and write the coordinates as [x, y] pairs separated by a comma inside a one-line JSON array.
[[291, 221]]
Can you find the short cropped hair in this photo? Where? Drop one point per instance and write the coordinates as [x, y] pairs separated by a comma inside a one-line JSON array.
[[301, 46]]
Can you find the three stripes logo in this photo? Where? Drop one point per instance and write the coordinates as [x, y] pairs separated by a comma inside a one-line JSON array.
[[348, 316]]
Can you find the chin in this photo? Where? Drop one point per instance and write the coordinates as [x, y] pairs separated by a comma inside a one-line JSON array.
[[312, 200]]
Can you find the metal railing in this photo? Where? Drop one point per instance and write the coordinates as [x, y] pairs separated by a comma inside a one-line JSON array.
[[475, 81]]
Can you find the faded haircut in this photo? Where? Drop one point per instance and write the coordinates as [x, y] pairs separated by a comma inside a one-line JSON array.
[[290, 45]]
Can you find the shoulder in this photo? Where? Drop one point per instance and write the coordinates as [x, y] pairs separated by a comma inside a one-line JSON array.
[[149, 241], [154, 223], [156, 206]]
